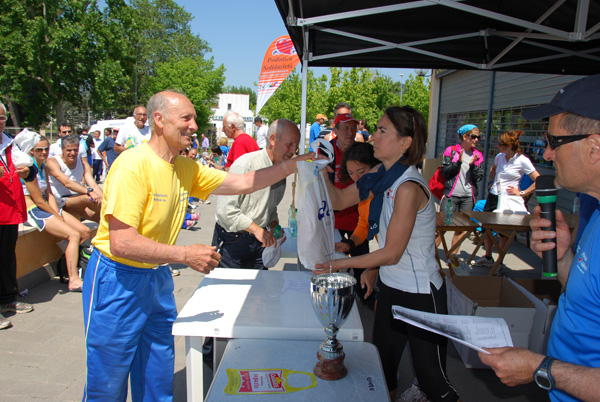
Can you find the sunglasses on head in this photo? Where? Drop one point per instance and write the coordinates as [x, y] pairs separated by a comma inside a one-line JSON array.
[[555, 141]]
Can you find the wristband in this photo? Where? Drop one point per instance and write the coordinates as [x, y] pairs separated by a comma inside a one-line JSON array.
[[349, 242]]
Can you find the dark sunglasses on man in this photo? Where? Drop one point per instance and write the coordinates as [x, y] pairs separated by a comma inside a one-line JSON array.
[[556, 141]]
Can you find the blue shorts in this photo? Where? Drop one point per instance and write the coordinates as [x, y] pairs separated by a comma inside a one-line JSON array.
[[37, 217], [128, 315]]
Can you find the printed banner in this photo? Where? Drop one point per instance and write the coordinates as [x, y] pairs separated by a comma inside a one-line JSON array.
[[281, 58]]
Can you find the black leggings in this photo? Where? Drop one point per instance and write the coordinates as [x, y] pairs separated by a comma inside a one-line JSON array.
[[428, 350]]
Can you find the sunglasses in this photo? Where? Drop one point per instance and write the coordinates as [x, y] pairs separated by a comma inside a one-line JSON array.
[[40, 149], [3, 118], [555, 141], [474, 136], [66, 132]]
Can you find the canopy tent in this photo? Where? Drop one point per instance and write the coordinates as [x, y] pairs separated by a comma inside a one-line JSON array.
[[536, 36]]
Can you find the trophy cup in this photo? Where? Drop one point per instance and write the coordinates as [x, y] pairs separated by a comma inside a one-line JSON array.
[[332, 296]]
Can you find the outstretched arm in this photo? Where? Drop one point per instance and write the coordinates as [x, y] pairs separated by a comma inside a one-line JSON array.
[[258, 179], [516, 366]]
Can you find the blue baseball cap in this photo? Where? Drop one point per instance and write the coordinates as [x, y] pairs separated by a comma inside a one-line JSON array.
[[581, 97]]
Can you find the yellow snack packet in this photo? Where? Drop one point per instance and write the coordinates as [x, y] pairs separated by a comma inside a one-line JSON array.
[[263, 381]]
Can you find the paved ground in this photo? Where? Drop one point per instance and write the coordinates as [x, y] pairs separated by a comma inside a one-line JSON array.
[[42, 358]]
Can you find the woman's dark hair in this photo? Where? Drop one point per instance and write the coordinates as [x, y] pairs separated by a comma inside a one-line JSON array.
[[361, 152], [410, 123], [216, 149], [511, 139]]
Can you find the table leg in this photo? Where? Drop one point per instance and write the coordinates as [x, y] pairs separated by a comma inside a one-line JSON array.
[[218, 350], [194, 368], [486, 232], [502, 251]]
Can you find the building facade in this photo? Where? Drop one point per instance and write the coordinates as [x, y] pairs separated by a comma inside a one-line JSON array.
[[479, 97]]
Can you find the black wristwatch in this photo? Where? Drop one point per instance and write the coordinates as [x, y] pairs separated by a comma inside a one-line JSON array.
[[89, 190], [543, 376]]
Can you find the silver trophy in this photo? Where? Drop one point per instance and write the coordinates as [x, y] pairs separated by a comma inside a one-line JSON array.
[[333, 296]]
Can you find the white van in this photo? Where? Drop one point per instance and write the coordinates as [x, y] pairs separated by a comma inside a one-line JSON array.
[[102, 124]]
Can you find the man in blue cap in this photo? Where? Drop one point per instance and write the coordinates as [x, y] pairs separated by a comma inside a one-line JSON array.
[[571, 370]]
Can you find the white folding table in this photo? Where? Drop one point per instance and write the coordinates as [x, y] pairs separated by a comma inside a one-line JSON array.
[[248, 303], [365, 380]]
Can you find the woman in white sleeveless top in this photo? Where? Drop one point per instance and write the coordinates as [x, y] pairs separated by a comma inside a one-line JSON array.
[[44, 214], [409, 272]]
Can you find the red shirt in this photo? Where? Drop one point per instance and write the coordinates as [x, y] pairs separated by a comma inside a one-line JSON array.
[[12, 200], [242, 144], [346, 219]]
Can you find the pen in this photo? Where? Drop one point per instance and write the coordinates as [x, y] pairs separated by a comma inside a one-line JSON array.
[[220, 246]]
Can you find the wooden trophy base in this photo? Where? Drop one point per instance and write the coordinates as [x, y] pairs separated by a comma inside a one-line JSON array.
[[330, 369]]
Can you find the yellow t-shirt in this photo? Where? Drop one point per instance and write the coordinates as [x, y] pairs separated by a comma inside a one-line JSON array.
[[150, 194]]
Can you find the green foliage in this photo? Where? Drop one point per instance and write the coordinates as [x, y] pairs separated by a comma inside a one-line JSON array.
[[196, 78], [52, 51], [368, 92], [417, 94], [286, 102], [55, 51], [234, 89]]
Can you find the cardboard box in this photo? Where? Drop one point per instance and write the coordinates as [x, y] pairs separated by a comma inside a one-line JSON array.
[[490, 296], [544, 294]]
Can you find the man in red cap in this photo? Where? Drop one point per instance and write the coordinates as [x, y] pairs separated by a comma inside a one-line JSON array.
[[346, 219]]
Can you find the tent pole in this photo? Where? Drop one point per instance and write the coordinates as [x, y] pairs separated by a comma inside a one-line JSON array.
[[304, 86], [488, 136]]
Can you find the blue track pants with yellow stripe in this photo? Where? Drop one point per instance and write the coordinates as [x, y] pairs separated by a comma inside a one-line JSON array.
[[128, 316]]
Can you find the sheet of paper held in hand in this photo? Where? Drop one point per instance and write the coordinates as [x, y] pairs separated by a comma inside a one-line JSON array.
[[473, 331]]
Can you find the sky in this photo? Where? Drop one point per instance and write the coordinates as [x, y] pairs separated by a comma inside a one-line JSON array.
[[239, 32]]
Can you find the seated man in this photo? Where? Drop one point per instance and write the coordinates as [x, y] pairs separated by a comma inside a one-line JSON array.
[[66, 174]]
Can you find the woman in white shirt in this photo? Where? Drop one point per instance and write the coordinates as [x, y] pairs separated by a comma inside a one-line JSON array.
[[504, 193], [43, 212], [402, 214]]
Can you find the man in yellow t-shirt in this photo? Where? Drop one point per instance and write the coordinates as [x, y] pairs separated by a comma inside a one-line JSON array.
[[128, 301]]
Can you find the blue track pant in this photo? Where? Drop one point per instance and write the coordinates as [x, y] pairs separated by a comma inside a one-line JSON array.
[[128, 315]]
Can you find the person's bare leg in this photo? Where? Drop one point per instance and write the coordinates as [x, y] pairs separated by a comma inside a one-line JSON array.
[[84, 231], [83, 207], [59, 228]]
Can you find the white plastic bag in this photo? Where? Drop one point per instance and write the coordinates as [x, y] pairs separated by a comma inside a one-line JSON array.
[[272, 254], [25, 142], [315, 214]]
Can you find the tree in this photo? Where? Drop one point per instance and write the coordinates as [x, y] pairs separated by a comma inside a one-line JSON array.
[[54, 50], [417, 94], [286, 102], [196, 78], [368, 92], [158, 31]]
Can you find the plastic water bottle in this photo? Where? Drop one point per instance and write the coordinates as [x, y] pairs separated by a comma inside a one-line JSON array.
[[293, 223], [448, 212], [278, 232]]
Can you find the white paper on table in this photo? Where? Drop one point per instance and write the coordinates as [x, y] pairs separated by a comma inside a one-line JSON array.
[[473, 331], [296, 285]]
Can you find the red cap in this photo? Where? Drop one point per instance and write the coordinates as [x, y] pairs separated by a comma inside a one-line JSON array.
[[344, 118]]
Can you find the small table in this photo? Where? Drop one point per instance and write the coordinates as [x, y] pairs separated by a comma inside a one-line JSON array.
[[507, 225], [249, 303], [365, 380], [460, 223]]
